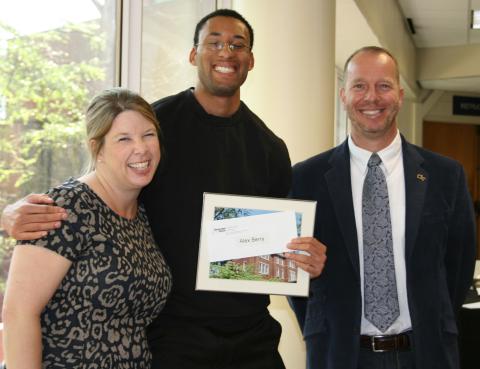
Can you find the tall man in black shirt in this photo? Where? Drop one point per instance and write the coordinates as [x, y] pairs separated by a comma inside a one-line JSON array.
[[213, 143]]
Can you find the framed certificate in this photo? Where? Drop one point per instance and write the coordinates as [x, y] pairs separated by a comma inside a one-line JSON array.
[[242, 241]]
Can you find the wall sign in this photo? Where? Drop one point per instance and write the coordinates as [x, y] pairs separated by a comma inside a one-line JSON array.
[[466, 105]]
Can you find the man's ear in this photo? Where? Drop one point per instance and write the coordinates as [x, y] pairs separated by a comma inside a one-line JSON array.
[[342, 95], [252, 62], [193, 56], [401, 94]]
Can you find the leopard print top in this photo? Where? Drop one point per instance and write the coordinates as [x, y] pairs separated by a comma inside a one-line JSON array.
[[117, 284]]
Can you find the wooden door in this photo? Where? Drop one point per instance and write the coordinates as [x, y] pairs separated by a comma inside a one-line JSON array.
[[460, 142]]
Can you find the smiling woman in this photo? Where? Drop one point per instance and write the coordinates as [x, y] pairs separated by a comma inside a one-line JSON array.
[[84, 293], [125, 151]]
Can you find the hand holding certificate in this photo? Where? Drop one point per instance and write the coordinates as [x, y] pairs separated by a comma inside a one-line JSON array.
[[242, 242]]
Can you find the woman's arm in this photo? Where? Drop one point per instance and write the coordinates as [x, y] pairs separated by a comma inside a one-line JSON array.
[[35, 274]]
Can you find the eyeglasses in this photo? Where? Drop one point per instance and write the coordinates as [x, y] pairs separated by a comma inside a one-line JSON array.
[[216, 46]]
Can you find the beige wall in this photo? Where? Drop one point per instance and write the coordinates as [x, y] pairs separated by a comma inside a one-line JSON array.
[[407, 119], [448, 62], [292, 84]]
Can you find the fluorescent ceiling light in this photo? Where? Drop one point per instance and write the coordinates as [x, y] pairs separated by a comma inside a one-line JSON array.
[[476, 19]]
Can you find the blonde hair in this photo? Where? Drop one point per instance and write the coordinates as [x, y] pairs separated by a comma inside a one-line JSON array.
[[102, 111]]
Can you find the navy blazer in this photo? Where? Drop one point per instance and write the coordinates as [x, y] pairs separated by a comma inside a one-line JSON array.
[[439, 254]]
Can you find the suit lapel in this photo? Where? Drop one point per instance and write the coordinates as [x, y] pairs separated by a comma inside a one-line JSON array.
[[416, 181], [339, 186]]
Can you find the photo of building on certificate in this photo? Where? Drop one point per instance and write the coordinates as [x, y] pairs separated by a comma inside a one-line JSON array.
[[265, 268]]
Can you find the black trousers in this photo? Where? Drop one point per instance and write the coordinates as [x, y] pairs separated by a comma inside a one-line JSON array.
[[386, 360], [224, 343]]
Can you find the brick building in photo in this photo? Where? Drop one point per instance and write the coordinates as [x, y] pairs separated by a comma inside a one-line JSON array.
[[271, 267]]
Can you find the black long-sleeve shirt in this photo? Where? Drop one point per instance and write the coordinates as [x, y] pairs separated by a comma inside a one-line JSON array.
[[205, 153]]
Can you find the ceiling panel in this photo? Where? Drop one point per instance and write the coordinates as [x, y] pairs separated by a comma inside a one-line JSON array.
[[438, 22]]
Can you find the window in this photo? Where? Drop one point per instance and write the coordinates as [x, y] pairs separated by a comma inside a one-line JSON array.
[[264, 268], [292, 276], [279, 273], [167, 38], [266, 257], [51, 64]]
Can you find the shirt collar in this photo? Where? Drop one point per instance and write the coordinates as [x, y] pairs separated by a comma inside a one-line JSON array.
[[359, 157]]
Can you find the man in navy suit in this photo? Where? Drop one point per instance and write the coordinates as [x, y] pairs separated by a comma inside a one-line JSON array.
[[431, 226]]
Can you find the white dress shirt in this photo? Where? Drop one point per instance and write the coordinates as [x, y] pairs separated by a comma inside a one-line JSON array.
[[392, 166]]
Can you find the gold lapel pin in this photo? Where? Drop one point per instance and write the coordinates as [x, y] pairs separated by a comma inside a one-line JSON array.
[[421, 177]]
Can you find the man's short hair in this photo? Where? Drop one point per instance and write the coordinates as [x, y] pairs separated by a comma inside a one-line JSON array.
[[222, 13], [373, 50]]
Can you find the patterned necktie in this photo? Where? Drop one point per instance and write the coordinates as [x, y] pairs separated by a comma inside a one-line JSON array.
[[380, 288]]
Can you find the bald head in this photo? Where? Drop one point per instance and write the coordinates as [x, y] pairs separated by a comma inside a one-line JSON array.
[[374, 50]]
